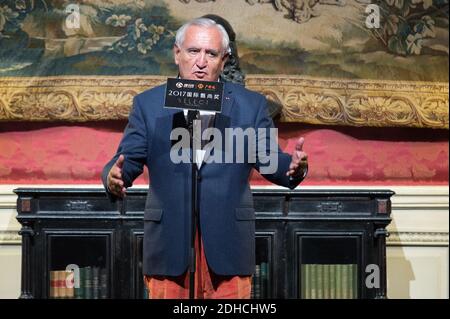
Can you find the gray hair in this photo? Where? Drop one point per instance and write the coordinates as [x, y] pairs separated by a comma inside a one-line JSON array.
[[205, 23]]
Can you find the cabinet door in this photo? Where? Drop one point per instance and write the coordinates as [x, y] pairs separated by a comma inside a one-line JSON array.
[[262, 280], [268, 279], [326, 264], [78, 264]]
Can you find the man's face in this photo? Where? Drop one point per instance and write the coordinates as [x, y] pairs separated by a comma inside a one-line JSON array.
[[201, 55]]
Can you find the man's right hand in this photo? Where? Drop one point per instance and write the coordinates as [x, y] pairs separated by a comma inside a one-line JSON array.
[[115, 182]]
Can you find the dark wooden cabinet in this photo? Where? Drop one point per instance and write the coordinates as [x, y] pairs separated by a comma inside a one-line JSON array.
[[309, 243]]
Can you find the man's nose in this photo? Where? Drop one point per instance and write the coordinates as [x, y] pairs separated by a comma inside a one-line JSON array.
[[201, 60]]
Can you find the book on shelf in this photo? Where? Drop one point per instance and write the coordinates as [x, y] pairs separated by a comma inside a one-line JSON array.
[[67, 278], [252, 291], [257, 282], [93, 283], [303, 282], [328, 281], [338, 278], [87, 280], [260, 282], [332, 280], [103, 286], [345, 281], [53, 293], [313, 281], [319, 281], [264, 280], [145, 292]]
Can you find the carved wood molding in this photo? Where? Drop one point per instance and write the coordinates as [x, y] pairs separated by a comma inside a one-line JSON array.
[[357, 102], [303, 99], [71, 98], [418, 238], [10, 237]]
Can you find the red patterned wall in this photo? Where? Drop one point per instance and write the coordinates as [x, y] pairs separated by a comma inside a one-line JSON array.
[[46, 153]]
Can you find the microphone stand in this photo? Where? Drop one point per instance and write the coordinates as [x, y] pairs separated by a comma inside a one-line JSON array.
[[193, 115]]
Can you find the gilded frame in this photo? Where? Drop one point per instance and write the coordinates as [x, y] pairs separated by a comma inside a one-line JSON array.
[[303, 99]]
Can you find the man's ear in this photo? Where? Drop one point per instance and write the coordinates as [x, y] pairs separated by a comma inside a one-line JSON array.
[[224, 59], [226, 56], [176, 53]]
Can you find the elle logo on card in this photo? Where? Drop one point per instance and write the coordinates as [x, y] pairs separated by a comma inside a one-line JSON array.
[[194, 95]]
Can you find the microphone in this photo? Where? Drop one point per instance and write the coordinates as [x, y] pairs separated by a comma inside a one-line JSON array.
[[192, 115]]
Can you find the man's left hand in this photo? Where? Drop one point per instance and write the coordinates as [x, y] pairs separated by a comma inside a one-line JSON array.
[[299, 162]]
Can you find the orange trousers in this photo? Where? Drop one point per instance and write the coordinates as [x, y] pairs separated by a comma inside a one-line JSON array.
[[208, 285]]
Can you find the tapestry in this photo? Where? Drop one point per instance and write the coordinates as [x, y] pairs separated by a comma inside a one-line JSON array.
[[350, 62]]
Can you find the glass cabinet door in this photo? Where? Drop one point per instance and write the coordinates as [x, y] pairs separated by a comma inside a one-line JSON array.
[[78, 266], [262, 279], [328, 267]]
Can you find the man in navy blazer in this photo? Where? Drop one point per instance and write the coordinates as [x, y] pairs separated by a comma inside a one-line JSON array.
[[226, 219]]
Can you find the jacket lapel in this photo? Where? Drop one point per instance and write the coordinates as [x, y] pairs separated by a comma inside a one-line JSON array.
[[179, 121], [222, 119]]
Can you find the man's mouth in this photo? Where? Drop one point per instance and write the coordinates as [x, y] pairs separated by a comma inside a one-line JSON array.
[[200, 74]]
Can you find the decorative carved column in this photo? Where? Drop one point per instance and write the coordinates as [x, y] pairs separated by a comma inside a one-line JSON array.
[[380, 236], [384, 207], [27, 234]]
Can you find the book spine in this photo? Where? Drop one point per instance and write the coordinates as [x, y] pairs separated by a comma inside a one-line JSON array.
[[88, 282], [332, 270], [81, 291], [61, 274], [301, 281], [53, 291], [95, 283], [264, 280], [326, 281], [307, 280], [144, 292], [78, 285], [338, 281], [104, 284], [313, 281], [69, 284], [252, 292], [345, 281], [319, 274], [258, 282]]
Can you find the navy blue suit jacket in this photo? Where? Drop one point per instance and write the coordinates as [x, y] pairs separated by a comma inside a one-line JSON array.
[[227, 216]]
